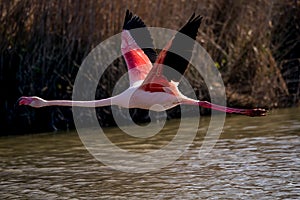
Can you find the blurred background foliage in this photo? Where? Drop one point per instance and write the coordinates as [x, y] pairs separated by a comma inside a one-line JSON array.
[[255, 45]]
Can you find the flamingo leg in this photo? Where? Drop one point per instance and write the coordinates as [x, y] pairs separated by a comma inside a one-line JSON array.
[[255, 112]]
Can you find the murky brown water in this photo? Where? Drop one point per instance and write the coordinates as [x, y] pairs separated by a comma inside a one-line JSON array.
[[255, 158]]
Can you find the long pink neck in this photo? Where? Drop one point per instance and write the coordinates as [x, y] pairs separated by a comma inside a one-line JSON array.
[[95, 103]]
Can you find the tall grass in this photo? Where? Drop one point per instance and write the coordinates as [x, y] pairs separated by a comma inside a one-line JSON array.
[[42, 44]]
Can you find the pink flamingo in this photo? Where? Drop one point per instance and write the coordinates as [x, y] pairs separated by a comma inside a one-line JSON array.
[[149, 83]]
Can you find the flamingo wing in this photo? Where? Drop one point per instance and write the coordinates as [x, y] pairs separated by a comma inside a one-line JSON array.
[[134, 36], [160, 76]]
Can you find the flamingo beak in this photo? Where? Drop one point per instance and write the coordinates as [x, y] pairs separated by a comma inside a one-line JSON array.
[[24, 101]]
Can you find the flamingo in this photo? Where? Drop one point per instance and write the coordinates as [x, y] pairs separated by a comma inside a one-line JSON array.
[[149, 83]]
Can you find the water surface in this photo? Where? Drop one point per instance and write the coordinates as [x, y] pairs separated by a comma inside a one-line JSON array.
[[255, 158]]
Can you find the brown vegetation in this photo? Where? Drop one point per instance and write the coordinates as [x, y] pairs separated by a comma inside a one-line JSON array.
[[255, 45]]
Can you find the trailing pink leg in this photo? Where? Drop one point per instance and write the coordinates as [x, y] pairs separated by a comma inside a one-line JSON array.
[[256, 112], [249, 112]]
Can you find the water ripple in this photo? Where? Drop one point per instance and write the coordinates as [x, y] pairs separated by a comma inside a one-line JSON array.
[[253, 159]]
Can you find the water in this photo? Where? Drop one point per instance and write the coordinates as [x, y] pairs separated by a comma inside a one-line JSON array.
[[255, 158]]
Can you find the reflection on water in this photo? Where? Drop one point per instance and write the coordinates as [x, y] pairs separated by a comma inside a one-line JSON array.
[[255, 158]]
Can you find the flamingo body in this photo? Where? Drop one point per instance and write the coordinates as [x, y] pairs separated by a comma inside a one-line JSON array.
[[147, 100]]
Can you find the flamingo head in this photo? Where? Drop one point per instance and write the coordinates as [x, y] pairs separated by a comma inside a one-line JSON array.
[[35, 102]]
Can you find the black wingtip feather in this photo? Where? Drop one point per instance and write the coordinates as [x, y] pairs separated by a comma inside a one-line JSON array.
[[142, 36], [183, 47], [132, 22], [128, 17], [191, 27], [193, 15]]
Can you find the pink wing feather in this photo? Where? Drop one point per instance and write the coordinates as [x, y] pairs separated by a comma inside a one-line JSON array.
[[138, 63]]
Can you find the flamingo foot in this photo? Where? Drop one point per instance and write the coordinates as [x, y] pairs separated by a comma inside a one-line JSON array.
[[256, 112]]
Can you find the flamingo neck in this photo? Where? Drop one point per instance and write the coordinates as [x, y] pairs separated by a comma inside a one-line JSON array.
[[94, 103]]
